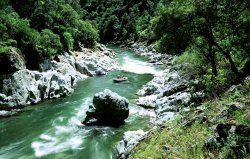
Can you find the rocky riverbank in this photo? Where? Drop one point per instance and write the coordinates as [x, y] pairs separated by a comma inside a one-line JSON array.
[[167, 94], [56, 78], [219, 127]]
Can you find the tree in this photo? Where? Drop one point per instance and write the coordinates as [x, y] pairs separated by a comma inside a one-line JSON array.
[[207, 25]]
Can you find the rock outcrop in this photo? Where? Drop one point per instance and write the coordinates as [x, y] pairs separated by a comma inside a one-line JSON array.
[[129, 141], [30, 87], [168, 92], [154, 57], [235, 136], [11, 61], [108, 109], [56, 77]]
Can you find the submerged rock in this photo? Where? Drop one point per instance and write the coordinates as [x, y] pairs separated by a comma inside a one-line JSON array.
[[108, 109], [129, 141]]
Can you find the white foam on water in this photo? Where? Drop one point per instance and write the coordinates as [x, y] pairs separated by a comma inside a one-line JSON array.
[[138, 67], [62, 137], [43, 148], [47, 137]]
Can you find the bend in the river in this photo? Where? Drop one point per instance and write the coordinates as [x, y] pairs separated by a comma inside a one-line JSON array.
[[53, 129]]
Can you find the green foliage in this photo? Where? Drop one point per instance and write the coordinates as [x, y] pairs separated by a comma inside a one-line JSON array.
[[211, 30], [11, 24], [59, 27], [170, 27], [143, 30], [216, 85], [242, 117], [9, 42], [50, 42], [173, 142], [69, 40], [194, 65], [120, 19], [4, 49], [86, 34]]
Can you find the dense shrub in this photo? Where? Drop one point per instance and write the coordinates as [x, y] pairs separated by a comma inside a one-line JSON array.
[[68, 40], [50, 42], [41, 29], [86, 34]]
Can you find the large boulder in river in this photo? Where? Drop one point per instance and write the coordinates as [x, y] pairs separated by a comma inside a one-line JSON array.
[[109, 109]]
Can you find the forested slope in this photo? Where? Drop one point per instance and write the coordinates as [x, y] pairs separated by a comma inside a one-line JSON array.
[[210, 40], [42, 28], [211, 36], [121, 20]]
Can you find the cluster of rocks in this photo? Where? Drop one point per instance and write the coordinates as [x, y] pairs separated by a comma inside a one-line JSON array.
[[153, 56], [226, 133], [56, 77], [165, 94], [108, 109], [236, 137], [168, 92]]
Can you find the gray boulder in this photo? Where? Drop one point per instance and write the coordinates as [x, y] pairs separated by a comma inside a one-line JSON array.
[[129, 141], [56, 77], [109, 109], [21, 89], [30, 87], [82, 68], [11, 61]]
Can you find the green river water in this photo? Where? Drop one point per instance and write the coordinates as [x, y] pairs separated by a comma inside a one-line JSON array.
[[53, 129]]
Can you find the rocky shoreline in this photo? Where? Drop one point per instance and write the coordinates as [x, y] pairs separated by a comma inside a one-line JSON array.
[[56, 78], [167, 94]]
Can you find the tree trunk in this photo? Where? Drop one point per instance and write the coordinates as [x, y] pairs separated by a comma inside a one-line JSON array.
[[212, 60], [228, 57], [246, 69]]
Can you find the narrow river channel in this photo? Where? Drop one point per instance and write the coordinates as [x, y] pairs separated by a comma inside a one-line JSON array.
[[53, 129]]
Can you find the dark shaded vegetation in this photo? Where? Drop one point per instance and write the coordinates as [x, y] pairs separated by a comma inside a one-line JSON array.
[[42, 28], [211, 36], [121, 20]]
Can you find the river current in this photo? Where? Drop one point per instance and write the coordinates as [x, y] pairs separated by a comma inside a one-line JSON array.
[[53, 129]]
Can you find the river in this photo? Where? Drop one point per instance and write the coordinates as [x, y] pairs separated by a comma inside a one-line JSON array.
[[53, 129]]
